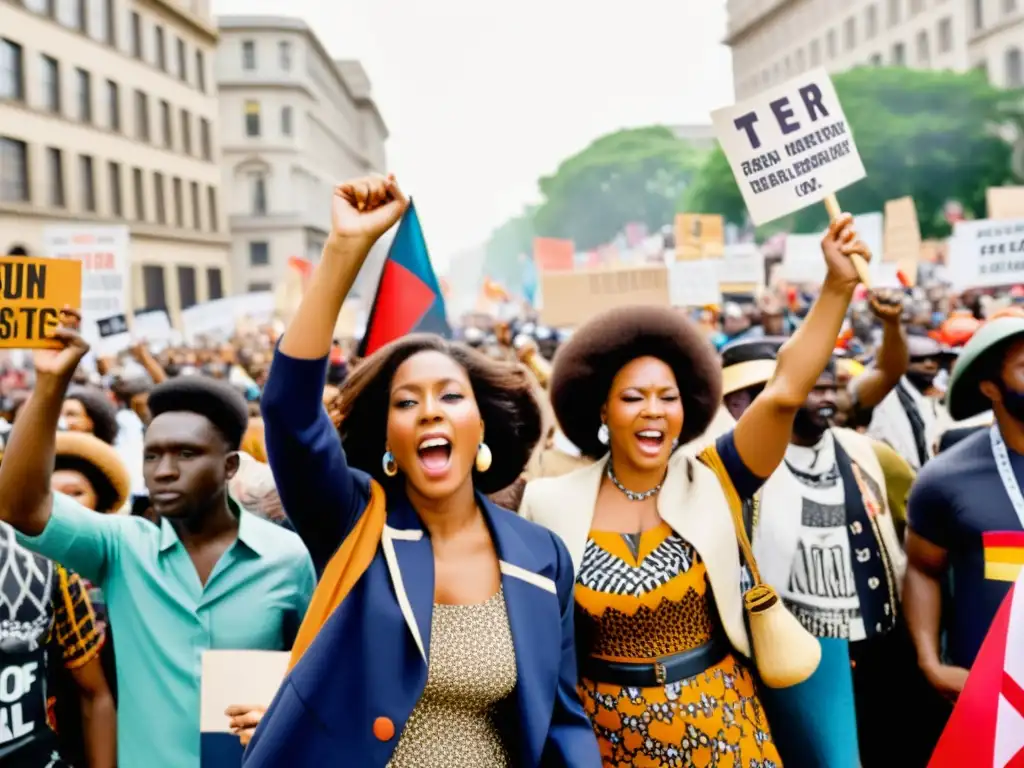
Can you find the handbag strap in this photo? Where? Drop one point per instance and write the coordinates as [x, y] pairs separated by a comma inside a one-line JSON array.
[[709, 458]]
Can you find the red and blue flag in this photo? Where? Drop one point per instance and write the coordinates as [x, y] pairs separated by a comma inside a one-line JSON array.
[[409, 297]]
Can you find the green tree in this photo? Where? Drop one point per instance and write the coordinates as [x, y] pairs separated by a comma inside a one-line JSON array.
[[934, 136], [631, 175]]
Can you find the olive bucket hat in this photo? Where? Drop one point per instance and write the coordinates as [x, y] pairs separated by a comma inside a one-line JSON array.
[[964, 398]]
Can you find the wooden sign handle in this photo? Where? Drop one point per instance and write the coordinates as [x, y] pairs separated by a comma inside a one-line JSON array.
[[832, 206]]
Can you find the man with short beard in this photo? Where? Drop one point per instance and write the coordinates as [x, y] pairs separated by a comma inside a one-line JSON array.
[[966, 511]]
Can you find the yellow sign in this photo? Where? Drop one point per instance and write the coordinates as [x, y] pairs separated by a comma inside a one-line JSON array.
[[699, 236], [32, 294]]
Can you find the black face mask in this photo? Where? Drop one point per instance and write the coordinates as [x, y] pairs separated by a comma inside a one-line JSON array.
[[811, 424], [921, 381], [1013, 402]]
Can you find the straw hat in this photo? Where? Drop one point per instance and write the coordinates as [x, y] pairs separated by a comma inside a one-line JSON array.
[[964, 397], [102, 457], [749, 363]]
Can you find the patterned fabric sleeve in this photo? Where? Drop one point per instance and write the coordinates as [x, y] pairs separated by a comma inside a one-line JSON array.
[[76, 630]]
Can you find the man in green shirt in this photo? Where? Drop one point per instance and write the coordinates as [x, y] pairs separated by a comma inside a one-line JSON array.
[[209, 575]]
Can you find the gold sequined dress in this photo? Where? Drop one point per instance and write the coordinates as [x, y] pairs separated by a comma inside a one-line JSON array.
[[472, 674]]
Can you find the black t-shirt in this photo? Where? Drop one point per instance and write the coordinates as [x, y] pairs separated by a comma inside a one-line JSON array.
[[957, 499]]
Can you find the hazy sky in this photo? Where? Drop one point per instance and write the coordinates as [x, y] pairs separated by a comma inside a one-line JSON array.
[[483, 97]]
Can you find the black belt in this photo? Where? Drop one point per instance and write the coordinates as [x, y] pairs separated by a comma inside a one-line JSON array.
[[668, 669]]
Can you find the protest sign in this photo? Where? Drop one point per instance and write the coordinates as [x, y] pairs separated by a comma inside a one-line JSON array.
[[103, 252], [552, 254], [902, 237], [741, 269], [1005, 202], [32, 294], [111, 336], [571, 298], [694, 283], [699, 236], [987, 254], [789, 147], [154, 327], [803, 261]]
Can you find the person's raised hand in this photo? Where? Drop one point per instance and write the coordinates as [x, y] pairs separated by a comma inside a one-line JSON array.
[[364, 209], [886, 304], [838, 246], [60, 364]]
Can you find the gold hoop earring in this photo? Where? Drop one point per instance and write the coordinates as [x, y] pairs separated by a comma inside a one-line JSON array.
[[389, 464], [483, 458]]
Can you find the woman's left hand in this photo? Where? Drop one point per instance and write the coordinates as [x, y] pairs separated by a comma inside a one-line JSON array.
[[243, 720], [838, 246]]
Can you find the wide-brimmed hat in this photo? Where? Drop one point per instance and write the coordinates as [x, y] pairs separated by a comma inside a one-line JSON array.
[[586, 365], [102, 457], [964, 397], [749, 363]]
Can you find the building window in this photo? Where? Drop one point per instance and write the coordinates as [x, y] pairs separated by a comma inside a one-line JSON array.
[[51, 85], [850, 33], [14, 186], [84, 99], [923, 50], [979, 14], [259, 254], [140, 194], [182, 62], [197, 216], [211, 194], [260, 287], [158, 198], [248, 55], [259, 194], [214, 284], [830, 42], [899, 55], [179, 202], [161, 48], [137, 47], [815, 53], [284, 50], [165, 121], [894, 12], [286, 121], [1014, 71], [116, 201], [87, 180], [205, 139], [153, 286], [71, 14], [113, 106], [111, 22], [252, 118], [201, 71], [55, 176], [12, 72], [186, 132], [946, 35], [871, 22], [141, 116], [187, 286]]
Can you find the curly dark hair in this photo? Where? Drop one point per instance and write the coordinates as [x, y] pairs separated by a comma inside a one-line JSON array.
[[100, 411], [503, 392], [106, 494], [219, 402], [586, 365]]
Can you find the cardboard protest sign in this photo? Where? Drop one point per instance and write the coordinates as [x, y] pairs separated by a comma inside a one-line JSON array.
[[789, 147], [699, 236], [987, 254], [571, 298], [903, 237], [1005, 202], [234, 678], [742, 269], [551, 254], [32, 294]]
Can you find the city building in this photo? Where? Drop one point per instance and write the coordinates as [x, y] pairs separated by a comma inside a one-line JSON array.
[[774, 40], [108, 115], [294, 123]]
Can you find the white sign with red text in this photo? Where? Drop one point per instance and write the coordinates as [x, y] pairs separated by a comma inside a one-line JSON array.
[[105, 254]]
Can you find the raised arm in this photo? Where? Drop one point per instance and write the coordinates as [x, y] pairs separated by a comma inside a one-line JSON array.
[[320, 494], [870, 388], [764, 430]]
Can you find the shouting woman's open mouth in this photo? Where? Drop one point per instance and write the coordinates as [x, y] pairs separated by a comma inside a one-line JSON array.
[[435, 455]]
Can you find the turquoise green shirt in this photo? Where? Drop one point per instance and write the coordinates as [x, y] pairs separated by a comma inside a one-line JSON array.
[[163, 618]]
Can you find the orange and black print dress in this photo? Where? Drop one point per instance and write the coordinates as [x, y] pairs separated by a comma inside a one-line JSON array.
[[642, 599]]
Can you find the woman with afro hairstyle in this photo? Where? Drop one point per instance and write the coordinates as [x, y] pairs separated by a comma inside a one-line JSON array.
[[663, 647], [441, 632]]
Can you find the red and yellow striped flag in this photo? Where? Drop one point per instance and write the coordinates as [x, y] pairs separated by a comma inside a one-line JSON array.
[[1004, 554]]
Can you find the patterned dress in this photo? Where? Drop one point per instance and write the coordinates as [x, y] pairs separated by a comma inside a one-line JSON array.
[[639, 598], [472, 674]]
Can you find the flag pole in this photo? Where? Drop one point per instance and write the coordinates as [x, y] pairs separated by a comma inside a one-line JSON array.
[[832, 206]]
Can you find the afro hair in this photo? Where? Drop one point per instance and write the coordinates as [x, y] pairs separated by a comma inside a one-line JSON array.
[[101, 412], [217, 401], [586, 365]]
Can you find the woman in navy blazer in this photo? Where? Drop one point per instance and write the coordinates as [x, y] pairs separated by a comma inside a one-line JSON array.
[[453, 645]]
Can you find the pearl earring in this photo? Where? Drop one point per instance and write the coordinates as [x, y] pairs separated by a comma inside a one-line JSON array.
[[603, 436], [484, 458]]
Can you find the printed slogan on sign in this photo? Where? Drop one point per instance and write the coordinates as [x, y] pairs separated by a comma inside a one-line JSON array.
[[987, 254], [789, 147], [32, 294]]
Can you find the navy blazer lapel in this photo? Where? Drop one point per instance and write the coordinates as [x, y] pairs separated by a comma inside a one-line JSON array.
[[415, 560], [534, 616]]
